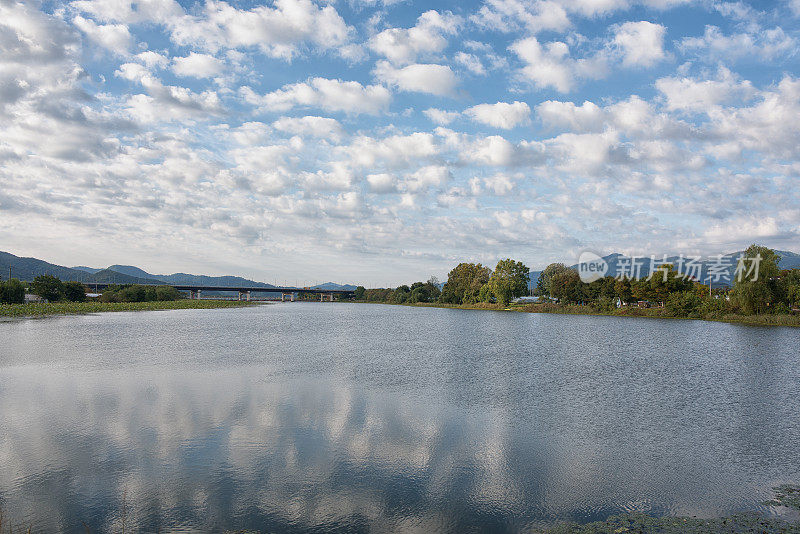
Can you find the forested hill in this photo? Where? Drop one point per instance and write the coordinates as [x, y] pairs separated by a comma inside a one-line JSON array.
[[30, 268]]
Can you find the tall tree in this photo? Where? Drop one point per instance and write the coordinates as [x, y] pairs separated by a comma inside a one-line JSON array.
[[12, 292], [48, 287], [464, 283], [509, 280], [755, 284], [545, 278], [567, 287]]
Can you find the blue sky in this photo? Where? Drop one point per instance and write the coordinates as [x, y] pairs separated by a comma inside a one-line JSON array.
[[383, 141]]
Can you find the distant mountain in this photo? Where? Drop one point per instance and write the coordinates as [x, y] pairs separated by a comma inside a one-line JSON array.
[[90, 270], [130, 270], [30, 268], [108, 276], [333, 287]]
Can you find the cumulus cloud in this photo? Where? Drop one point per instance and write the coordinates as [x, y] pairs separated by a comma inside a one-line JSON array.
[[166, 102], [440, 116], [393, 151], [403, 46], [331, 95], [277, 31], [763, 43], [689, 94], [586, 117], [511, 15], [641, 43], [500, 115], [197, 66], [421, 78], [382, 183], [321, 127], [113, 37], [130, 11], [550, 65]]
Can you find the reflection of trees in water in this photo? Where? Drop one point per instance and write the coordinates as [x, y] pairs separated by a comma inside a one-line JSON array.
[[218, 451]]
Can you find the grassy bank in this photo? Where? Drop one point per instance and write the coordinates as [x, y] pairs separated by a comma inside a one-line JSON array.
[[73, 308], [654, 313]]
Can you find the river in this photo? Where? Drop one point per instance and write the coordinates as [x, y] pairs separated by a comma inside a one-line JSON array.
[[326, 417]]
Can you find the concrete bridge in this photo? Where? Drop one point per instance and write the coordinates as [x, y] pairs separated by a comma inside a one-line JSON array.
[[245, 291]]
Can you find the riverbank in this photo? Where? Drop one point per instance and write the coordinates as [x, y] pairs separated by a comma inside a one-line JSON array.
[[653, 313], [79, 308]]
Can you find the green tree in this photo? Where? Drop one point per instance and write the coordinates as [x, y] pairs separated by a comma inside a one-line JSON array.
[[164, 293], [622, 289], [74, 292], [12, 292], [756, 283], [509, 280], [567, 287], [663, 282], [359, 293], [48, 287], [401, 294], [464, 283], [543, 284]]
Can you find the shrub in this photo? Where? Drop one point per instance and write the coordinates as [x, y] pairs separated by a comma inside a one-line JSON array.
[[12, 292], [74, 292]]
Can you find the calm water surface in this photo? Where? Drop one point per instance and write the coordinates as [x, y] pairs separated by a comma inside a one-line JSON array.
[[336, 417]]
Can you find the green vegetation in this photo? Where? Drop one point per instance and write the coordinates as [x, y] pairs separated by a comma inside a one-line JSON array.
[[73, 308], [12, 292], [139, 293], [416, 293], [772, 299]]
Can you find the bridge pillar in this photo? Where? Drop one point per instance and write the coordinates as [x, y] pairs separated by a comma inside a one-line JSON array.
[[330, 297], [248, 296], [292, 299], [283, 297], [322, 297]]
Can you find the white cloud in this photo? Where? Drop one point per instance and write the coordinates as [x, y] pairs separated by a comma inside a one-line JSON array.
[[764, 44], [197, 66], [321, 127], [403, 46], [500, 115], [166, 102], [500, 184], [550, 65], [382, 183], [152, 59], [131, 11], [512, 15], [393, 151], [277, 31], [330, 95], [434, 176], [587, 117], [688, 94], [440, 116], [641, 43], [113, 37], [421, 78], [471, 62]]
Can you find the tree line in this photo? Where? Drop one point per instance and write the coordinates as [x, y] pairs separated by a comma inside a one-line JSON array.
[[467, 283], [773, 291], [53, 289]]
